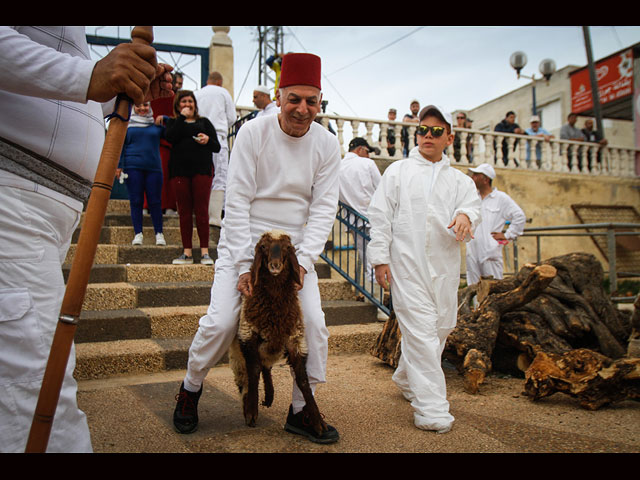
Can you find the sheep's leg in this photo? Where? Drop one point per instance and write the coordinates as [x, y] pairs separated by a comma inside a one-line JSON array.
[[250, 397], [268, 386], [238, 366], [298, 363]]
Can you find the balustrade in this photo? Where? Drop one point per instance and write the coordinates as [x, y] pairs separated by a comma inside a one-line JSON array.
[[477, 146]]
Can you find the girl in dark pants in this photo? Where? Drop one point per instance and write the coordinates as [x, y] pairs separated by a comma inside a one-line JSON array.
[[193, 141], [140, 162]]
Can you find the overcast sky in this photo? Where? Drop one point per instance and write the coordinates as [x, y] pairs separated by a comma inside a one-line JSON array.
[[367, 70]]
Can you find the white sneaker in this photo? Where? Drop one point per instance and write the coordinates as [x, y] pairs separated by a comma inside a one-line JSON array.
[[137, 240], [160, 239]]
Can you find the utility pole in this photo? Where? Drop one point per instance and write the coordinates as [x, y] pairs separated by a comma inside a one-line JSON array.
[[595, 93]]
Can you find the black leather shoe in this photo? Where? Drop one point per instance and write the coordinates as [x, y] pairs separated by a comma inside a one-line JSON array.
[[299, 424], [185, 416]]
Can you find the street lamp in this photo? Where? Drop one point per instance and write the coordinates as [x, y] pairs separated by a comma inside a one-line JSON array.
[[547, 68]]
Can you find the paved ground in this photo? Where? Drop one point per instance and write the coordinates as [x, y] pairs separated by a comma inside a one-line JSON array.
[[133, 414]]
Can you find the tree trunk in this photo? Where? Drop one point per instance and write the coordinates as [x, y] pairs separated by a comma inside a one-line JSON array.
[[471, 345], [555, 307], [589, 376], [387, 346]]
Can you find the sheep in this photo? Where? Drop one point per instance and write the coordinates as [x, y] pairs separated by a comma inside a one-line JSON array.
[[271, 328]]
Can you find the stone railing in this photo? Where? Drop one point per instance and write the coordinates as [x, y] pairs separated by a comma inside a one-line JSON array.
[[499, 149]]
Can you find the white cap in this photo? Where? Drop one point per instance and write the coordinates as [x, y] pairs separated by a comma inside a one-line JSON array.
[[446, 115], [535, 118], [485, 169], [262, 89]]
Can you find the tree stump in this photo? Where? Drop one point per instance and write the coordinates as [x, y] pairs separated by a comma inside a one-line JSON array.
[[387, 346], [471, 344], [554, 307], [589, 376]]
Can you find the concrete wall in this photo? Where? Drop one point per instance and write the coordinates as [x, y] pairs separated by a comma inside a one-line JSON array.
[[546, 199]]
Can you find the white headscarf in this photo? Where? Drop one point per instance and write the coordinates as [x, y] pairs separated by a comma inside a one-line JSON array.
[[141, 120]]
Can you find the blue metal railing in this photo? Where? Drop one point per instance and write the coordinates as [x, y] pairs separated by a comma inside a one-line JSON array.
[[352, 236]]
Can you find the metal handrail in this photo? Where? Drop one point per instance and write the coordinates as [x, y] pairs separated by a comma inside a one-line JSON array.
[[353, 236], [610, 233]]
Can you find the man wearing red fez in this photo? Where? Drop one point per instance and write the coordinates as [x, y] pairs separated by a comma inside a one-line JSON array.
[[283, 174]]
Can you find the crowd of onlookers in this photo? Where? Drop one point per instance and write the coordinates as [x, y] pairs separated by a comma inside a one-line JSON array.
[[508, 124]]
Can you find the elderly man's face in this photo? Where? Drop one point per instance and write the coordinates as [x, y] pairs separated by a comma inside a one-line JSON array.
[[260, 99], [299, 105]]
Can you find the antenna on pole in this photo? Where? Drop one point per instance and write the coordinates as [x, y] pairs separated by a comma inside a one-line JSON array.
[[270, 46]]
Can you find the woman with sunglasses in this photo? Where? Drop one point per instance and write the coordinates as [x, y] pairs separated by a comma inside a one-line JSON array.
[[422, 208]]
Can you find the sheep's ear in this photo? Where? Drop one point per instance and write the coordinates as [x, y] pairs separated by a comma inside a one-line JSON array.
[[293, 264]]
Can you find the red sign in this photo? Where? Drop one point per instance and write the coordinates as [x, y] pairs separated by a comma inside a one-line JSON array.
[[615, 81]]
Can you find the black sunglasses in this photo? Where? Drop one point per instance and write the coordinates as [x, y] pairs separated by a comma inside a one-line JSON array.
[[435, 131]]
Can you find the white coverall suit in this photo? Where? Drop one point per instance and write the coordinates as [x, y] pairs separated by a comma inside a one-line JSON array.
[[484, 253], [409, 215], [359, 178]]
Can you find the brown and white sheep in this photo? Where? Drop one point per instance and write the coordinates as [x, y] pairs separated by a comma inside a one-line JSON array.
[[271, 328]]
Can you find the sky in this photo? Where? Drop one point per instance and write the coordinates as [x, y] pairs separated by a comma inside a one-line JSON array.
[[366, 70]]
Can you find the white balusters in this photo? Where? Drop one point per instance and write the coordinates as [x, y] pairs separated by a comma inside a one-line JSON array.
[[561, 156]]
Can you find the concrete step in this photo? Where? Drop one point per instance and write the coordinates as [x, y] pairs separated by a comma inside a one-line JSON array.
[[132, 295], [112, 273], [138, 254], [123, 235], [144, 356], [182, 321]]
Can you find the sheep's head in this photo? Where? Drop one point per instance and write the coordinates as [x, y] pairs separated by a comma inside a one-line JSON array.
[[275, 253]]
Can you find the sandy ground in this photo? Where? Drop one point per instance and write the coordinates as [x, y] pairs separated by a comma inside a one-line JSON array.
[[133, 414]]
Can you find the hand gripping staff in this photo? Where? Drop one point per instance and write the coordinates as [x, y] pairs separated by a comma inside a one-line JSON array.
[[80, 268]]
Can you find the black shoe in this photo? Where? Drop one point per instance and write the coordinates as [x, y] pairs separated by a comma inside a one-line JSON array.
[[185, 416], [299, 424]]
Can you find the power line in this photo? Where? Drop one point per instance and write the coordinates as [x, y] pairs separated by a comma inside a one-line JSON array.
[[246, 76], [377, 51], [323, 76]]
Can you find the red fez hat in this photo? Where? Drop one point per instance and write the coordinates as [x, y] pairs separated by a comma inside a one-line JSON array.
[[300, 69]]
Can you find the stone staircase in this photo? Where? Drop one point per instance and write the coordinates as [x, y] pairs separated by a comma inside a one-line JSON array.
[[140, 312]]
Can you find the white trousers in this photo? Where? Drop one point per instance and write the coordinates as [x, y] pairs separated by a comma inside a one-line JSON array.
[[219, 326], [35, 234], [477, 269], [220, 165], [419, 374]]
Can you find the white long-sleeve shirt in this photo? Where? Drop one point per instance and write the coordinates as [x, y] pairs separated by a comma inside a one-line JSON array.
[[359, 178], [270, 109], [44, 80], [497, 209], [216, 104], [279, 181]]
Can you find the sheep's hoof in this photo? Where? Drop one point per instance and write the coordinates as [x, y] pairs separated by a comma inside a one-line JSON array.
[[250, 420], [267, 402]]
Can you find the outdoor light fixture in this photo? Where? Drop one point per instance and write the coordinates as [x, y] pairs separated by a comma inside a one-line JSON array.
[[547, 68]]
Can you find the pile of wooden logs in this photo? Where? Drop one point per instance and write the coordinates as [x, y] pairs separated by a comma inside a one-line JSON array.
[[552, 323]]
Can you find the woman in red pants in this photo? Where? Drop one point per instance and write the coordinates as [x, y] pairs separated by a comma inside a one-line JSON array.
[[193, 141]]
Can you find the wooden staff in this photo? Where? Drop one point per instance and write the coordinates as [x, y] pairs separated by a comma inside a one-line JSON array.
[[81, 269]]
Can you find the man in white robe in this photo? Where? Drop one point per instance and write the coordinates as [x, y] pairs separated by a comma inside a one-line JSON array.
[[284, 174]]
